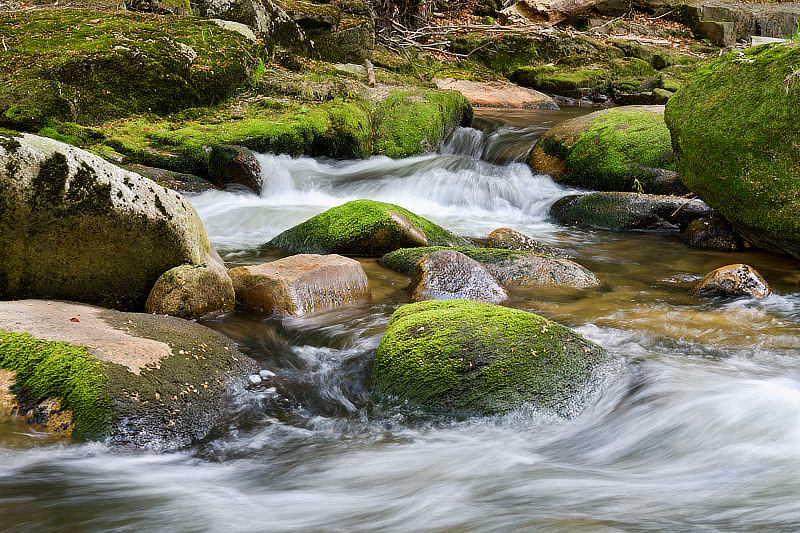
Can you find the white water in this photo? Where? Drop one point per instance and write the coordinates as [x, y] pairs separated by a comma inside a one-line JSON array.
[[701, 433]]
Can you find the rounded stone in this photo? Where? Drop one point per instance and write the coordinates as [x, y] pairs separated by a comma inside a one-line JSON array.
[[448, 275], [509, 239], [733, 281]]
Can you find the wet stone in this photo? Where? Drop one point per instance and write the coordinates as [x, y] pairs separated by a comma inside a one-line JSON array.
[[733, 281]]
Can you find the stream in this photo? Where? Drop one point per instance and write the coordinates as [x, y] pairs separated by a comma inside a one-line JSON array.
[[700, 432]]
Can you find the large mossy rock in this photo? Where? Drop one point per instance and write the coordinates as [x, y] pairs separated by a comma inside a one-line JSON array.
[[91, 66], [483, 358], [611, 150], [139, 380], [75, 227], [411, 122], [629, 211], [364, 228], [509, 267], [735, 135]]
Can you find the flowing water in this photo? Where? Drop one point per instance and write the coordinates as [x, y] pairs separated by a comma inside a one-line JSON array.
[[700, 432]]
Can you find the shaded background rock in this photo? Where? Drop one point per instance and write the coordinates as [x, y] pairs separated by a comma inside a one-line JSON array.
[[712, 233], [509, 239]]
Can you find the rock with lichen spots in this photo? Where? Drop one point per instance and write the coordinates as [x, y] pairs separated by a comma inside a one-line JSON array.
[[733, 281], [509, 239], [449, 275], [75, 227]]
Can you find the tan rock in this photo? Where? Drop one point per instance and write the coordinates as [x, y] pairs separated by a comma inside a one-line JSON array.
[[497, 94], [301, 284], [192, 291], [509, 239], [733, 280]]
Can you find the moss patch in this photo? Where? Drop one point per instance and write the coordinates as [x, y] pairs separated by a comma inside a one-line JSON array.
[[734, 131], [365, 228], [482, 358], [46, 369], [404, 259], [414, 122], [91, 66]]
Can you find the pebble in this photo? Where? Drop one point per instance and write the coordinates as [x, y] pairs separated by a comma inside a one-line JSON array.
[[266, 374], [271, 390], [255, 379]]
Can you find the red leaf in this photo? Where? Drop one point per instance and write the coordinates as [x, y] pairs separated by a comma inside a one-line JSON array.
[[73, 319]]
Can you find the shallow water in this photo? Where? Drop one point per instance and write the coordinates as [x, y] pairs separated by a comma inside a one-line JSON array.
[[700, 432]]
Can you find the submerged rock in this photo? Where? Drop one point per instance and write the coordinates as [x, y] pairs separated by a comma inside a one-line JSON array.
[[300, 285], [509, 267], [364, 228], [712, 233], [614, 149], [235, 164], [734, 129], [732, 281], [509, 239], [497, 94], [192, 291], [137, 379], [448, 275], [75, 227], [628, 211], [483, 358]]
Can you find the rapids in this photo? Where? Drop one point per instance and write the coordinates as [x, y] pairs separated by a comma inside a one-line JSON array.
[[700, 432]]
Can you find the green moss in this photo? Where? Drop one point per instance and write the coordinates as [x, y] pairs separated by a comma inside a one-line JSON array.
[[734, 131], [608, 150], [74, 134], [413, 122], [567, 77], [362, 227], [89, 66], [482, 358], [47, 369]]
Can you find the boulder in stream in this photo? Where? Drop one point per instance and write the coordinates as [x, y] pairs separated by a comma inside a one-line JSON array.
[[75, 227], [497, 94], [235, 164], [509, 267], [136, 379], [301, 285], [193, 291], [733, 281], [628, 211], [614, 149], [509, 239], [364, 228], [483, 358], [735, 134], [449, 275], [711, 233]]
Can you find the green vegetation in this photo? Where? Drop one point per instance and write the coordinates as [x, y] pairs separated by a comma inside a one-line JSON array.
[[412, 122], [404, 259], [482, 358], [734, 131], [364, 228], [47, 369]]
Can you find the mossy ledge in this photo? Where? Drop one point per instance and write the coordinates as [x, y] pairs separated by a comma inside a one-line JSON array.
[[363, 228], [482, 358], [50, 369]]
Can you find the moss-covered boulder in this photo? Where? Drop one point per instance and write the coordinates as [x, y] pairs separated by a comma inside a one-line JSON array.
[[451, 275], [91, 66], [616, 149], [483, 358], [628, 211], [135, 379], [75, 227], [735, 136], [334, 32], [193, 291], [411, 122], [509, 267], [364, 228], [179, 181]]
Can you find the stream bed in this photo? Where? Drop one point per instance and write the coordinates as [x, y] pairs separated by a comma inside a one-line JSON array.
[[700, 432]]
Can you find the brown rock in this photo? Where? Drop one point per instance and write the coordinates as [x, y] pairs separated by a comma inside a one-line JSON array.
[[192, 291], [733, 280], [509, 239], [301, 284], [451, 275], [234, 164], [497, 94], [712, 233]]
